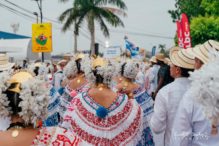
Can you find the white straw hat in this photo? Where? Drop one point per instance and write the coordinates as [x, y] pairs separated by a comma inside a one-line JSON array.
[[153, 59], [202, 51], [160, 57], [211, 44], [181, 58], [4, 62]]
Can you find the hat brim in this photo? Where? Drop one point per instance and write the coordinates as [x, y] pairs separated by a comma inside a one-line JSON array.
[[201, 52], [21, 77], [161, 59], [181, 58], [153, 60], [211, 44], [7, 66]]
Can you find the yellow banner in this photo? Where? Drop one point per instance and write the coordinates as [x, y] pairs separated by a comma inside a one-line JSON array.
[[42, 37]]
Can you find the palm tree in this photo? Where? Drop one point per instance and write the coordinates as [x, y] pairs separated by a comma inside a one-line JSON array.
[[91, 11], [69, 23], [163, 49]]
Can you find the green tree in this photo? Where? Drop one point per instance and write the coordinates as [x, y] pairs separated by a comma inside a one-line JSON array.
[[163, 49], [192, 8], [204, 28], [211, 7], [69, 22], [93, 11], [203, 16]]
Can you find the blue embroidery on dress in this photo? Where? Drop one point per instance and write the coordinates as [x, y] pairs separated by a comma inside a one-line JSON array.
[[52, 91], [146, 102], [52, 120], [54, 104], [147, 138]]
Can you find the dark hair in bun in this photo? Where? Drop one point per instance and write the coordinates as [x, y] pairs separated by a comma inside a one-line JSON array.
[[13, 98]]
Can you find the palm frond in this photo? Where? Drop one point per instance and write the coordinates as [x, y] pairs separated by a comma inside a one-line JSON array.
[[118, 3], [116, 11], [65, 14], [110, 17], [103, 26]]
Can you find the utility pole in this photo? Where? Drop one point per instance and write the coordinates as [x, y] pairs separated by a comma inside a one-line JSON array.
[[36, 14], [39, 3]]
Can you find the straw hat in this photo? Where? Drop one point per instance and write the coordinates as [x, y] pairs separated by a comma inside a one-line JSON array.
[[4, 62], [201, 52], [181, 58], [79, 56], [153, 59], [212, 44], [62, 62], [37, 64], [21, 77], [167, 61], [160, 57], [98, 62]]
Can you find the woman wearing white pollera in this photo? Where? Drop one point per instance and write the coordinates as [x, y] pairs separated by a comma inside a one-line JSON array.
[[74, 83], [100, 116], [25, 102]]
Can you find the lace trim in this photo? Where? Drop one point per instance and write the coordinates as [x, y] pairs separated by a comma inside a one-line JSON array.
[[93, 104], [107, 124], [124, 137]]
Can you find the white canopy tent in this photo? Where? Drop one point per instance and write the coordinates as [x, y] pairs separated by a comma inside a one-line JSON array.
[[18, 49]]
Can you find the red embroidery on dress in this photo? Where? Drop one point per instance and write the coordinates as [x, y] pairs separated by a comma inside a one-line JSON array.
[[56, 143], [65, 140], [94, 120], [126, 135]]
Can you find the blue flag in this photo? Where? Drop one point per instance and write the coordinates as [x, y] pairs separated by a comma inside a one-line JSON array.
[[134, 51]]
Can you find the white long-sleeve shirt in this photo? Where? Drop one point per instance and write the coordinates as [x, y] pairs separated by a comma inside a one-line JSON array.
[[153, 78], [166, 104], [191, 127]]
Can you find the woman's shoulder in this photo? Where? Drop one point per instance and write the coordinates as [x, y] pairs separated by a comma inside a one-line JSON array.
[[23, 137], [55, 136]]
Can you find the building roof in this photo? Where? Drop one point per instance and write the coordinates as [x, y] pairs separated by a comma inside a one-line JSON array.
[[7, 35]]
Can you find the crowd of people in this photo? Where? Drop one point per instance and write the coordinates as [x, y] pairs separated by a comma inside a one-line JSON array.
[[89, 100]]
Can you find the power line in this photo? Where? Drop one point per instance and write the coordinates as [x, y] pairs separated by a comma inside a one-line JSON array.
[[141, 34], [15, 11], [54, 21], [30, 12]]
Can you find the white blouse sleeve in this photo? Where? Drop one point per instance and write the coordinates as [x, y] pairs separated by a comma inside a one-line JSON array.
[[158, 120]]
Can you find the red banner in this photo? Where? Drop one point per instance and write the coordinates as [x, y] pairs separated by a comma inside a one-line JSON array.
[[186, 31], [180, 34]]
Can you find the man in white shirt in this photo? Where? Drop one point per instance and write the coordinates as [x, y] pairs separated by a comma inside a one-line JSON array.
[[169, 97], [191, 127], [152, 76], [58, 76]]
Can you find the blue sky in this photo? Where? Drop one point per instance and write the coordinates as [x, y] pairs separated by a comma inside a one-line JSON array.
[[145, 17]]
